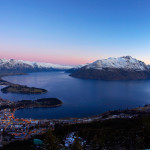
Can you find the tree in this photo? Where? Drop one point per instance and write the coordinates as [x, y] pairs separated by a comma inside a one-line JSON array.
[[51, 142]]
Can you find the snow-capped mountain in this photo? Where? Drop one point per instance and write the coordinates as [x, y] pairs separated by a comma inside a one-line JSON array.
[[7, 65], [121, 68], [126, 62]]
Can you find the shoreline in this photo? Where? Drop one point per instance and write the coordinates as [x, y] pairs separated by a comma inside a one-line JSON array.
[[14, 110], [125, 113], [67, 118]]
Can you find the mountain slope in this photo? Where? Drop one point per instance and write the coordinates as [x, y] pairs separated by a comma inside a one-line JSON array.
[[75, 68], [11, 65], [121, 68]]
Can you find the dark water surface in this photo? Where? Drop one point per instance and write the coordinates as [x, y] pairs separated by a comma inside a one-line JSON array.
[[81, 97]]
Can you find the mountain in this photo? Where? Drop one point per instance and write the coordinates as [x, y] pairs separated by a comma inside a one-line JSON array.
[[121, 68], [20, 66], [75, 68]]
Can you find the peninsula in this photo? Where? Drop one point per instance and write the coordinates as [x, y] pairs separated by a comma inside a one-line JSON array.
[[44, 102], [22, 89], [15, 88]]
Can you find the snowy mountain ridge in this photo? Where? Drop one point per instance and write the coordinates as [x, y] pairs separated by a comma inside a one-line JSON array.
[[12, 63], [121, 68], [125, 62]]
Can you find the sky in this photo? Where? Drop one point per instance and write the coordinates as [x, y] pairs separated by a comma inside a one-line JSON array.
[[74, 32]]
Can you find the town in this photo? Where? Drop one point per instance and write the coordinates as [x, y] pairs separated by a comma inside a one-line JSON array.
[[13, 129]]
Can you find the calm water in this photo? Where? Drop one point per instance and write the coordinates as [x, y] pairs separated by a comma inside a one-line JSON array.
[[81, 97]]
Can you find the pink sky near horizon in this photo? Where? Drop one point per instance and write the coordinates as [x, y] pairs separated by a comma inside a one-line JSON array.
[[65, 55], [58, 59], [50, 59]]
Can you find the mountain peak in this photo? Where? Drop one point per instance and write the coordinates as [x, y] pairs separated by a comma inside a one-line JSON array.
[[127, 57], [125, 62]]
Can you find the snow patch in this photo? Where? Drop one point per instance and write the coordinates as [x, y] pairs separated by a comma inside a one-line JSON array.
[[71, 138]]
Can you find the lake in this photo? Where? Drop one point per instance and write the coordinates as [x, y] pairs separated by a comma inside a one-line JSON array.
[[81, 97]]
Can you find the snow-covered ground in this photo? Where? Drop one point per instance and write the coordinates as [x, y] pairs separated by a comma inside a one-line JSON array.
[[71, 138]]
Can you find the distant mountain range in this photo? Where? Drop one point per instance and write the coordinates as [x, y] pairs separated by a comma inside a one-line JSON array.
[[20, 66], [121, 68]]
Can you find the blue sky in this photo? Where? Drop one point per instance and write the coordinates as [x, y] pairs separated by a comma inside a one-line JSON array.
[[74, 31]]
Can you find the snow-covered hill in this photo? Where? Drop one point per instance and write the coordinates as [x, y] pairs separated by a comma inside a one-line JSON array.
[[121, 68], [26, 66], [126, 62]]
